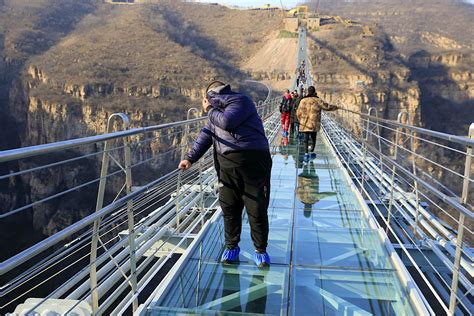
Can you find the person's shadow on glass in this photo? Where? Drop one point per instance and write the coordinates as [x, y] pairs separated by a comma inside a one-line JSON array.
[[307, 190], [256, 299], [293, 148], [284, 150]]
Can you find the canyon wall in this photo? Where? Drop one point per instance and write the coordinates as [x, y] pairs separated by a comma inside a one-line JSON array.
[[359, 72], [66, 66], [431, 40], [435, 85]]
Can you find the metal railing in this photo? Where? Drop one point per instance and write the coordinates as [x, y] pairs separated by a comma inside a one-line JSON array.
[[418, 183], [146, 211]]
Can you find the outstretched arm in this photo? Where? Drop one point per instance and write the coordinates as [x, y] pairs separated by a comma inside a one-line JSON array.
[[201, 145], [327, 107]]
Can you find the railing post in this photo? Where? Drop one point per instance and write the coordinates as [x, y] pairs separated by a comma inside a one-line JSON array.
[[364, 145], [131, 220], [394, 169], [198, 287], [183, 152], [201, 191], [379, 142], [100, 203], [464, 197], [415, 185]]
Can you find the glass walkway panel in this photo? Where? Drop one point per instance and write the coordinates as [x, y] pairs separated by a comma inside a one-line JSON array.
[[326, 257], [155, 249]]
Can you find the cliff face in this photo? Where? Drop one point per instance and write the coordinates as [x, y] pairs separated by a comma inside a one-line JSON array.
[[412, 24], [66, 66], [359, 72], [152, 59], [431, 40], [446, 80], [431, 78], [27, 28]]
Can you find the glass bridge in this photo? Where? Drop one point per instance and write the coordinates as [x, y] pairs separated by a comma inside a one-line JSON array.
[[362, 229], [326, 258]]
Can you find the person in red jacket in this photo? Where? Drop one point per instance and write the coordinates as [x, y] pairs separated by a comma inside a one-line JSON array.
[[285, 110]]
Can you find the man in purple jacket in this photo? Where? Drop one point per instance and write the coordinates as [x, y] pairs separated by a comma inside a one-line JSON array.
[[243, 165]]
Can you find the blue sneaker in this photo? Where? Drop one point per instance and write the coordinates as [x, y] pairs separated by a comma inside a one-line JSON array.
[[230, 255], [313, 155], [306, 157], [283, 133], [262, 259]]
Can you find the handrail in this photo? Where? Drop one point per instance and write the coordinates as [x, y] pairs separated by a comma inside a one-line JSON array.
[[425, 230], [419, 226], [29, 253], [449, 137], [25, 152], [449, 200], [469, 142], [145, 200]]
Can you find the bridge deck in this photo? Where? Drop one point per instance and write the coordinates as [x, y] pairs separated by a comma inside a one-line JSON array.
[[326, 258]]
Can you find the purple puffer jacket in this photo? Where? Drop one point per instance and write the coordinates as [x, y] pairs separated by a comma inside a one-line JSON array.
[[233, 125]]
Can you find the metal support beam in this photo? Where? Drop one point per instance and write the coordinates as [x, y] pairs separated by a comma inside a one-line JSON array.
[[394, 168], [100, 201], [183, 153], [464, 196]]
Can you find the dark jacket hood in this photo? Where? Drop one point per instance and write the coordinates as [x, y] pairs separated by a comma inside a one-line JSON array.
[[217, 96], [233, 125]]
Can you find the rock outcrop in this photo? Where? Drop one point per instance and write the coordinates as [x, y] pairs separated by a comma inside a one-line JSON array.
[[150, 61], [427, 74], [358, 73]]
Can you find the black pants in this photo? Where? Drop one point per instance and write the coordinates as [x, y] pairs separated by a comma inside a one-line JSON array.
[[306, 141], [244, 180], [294, 128]]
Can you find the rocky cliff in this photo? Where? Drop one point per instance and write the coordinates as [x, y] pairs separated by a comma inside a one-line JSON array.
[[359, 72], [359, 65], [66, 66], [446, 80], [430, 39], [151, 59]]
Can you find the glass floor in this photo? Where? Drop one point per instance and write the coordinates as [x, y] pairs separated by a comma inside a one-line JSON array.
[[326, 260]]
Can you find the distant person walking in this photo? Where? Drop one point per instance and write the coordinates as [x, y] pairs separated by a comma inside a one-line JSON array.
[[293, 118], [243, 165], [294, 124], [285, 110], [309, 118]]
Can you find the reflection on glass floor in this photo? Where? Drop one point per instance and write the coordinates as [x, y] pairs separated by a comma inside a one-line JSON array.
[[345, 292], [209, 286], [326, 260]]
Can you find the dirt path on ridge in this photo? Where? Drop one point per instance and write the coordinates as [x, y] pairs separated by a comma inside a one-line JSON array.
[[277, 56]]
